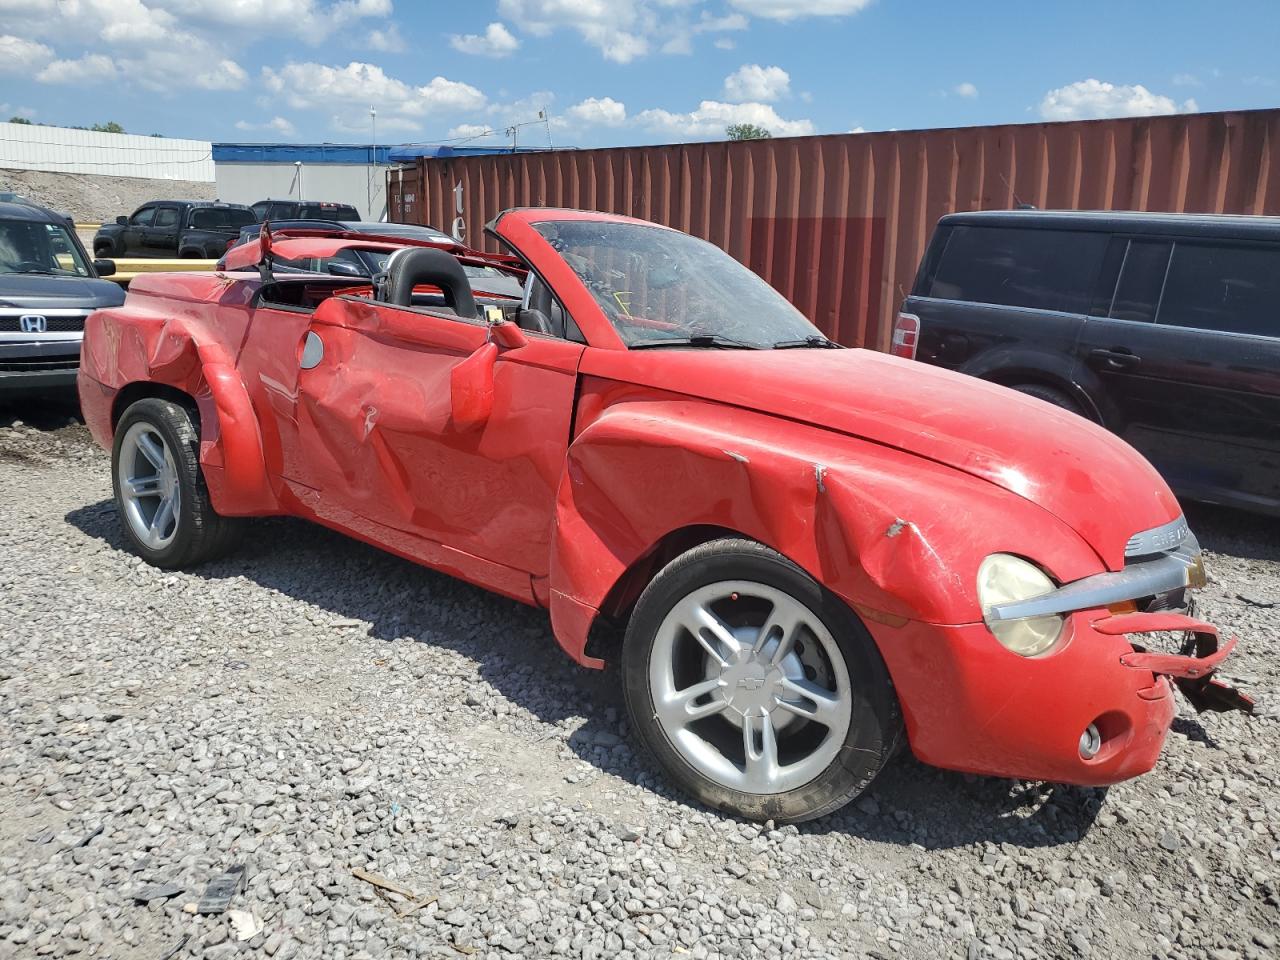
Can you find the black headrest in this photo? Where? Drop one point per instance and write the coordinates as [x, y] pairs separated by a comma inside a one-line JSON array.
[[411, 267]]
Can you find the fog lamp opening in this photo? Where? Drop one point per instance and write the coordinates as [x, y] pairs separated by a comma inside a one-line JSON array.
[[1090, 742]]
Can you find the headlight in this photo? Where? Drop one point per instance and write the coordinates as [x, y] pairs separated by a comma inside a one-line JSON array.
[[1004, 578]]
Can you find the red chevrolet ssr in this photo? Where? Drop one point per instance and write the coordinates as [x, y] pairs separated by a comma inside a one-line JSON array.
[[814, 550]]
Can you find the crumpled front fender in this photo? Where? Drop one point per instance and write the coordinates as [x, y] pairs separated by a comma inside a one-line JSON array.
[[898, 537]]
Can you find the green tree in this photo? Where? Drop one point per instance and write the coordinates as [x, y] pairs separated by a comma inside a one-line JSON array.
[[109, 127], [20, 120], [747, 131]]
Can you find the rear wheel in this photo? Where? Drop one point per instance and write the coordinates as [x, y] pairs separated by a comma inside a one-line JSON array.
[[1050, 395], [754, 688], [159, 490]]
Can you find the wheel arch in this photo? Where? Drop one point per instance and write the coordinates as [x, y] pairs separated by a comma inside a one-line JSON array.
[[1013, 367], [137, 390]]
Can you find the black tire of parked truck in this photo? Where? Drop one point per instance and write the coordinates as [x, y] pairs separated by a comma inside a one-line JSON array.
[[154, 430], [1051, 395]]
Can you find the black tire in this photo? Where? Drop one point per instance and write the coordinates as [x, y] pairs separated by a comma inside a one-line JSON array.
[[1050, 395], [876, 726], [201, 533], [104, 251]]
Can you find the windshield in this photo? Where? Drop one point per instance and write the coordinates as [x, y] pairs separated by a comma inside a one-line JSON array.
[[220, 218], [662, 287], [27, 247]]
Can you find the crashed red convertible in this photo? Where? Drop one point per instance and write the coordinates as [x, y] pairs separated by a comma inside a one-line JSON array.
[[813, 549]]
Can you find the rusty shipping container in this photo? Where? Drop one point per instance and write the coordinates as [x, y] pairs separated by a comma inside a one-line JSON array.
[[839, 223]]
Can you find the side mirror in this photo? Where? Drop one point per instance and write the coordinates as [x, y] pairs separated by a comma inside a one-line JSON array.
[[123, 221], [471, 388], [104, 268], [507, 335], [341, 268]]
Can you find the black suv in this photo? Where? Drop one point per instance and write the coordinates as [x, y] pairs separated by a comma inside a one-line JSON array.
[[303, 210], [199, 229], [48, 285], [1164, 328]]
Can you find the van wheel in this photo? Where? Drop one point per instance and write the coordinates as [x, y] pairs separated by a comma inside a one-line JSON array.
[[160, 491], [1050, 395], [754, 688]]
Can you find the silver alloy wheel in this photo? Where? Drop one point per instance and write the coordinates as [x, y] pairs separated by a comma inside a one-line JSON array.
[[150, 494], [750, 687]]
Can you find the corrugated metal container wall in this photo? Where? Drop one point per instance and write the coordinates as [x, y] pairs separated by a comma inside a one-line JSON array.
[[839, 223], [64, 150]]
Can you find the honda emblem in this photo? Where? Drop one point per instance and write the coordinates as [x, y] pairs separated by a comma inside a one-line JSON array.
[[33, 323]]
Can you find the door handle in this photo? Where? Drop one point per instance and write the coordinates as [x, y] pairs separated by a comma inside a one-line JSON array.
[[1117, 358]]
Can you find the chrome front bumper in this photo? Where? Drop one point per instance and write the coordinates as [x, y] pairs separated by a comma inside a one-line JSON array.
[[1161, 560]]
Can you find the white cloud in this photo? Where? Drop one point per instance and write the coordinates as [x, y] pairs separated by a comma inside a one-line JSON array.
[[604, 111], [682, 32], [471, 131], [711, 118], [858, 130], [277, 124], [310, 85], [754, 82], [21, 56], [312, 20], [223, 75], [91, 68], [966, 89], [1095, 99], [386, 41], [131, 42], [355, 123], [496, 41], [622, 30], [795, 9]]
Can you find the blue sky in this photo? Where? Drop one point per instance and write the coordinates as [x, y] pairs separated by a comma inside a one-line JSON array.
[[613, 72]]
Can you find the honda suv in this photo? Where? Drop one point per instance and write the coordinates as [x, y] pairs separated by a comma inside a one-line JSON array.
[[48, 285], [1164, 328]]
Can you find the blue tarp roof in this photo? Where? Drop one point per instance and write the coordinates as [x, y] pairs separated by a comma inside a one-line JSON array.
[[355, 153]]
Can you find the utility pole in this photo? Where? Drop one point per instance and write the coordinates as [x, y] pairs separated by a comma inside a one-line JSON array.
[[373, 157]]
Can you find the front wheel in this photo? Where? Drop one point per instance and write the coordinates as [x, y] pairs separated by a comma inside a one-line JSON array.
[[757, 690], [159, 490]]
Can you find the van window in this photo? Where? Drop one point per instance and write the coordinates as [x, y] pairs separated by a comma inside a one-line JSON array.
[[1020, 267], [1137, 293], [1212, 287]]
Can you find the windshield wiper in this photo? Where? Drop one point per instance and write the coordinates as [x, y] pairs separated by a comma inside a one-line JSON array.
[[708, 340], [816, 341]]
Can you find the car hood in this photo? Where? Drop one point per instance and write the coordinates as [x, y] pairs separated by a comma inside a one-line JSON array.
[[58, 293], [1088, 478]]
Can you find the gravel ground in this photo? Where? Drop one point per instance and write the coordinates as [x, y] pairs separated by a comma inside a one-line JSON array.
[[311, 707]]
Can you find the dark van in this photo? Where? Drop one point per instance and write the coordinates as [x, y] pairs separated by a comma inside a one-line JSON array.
[[1164, 328]]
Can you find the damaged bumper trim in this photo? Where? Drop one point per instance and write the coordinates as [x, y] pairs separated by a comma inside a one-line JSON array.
[[1174, 570], [1192, 670]]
